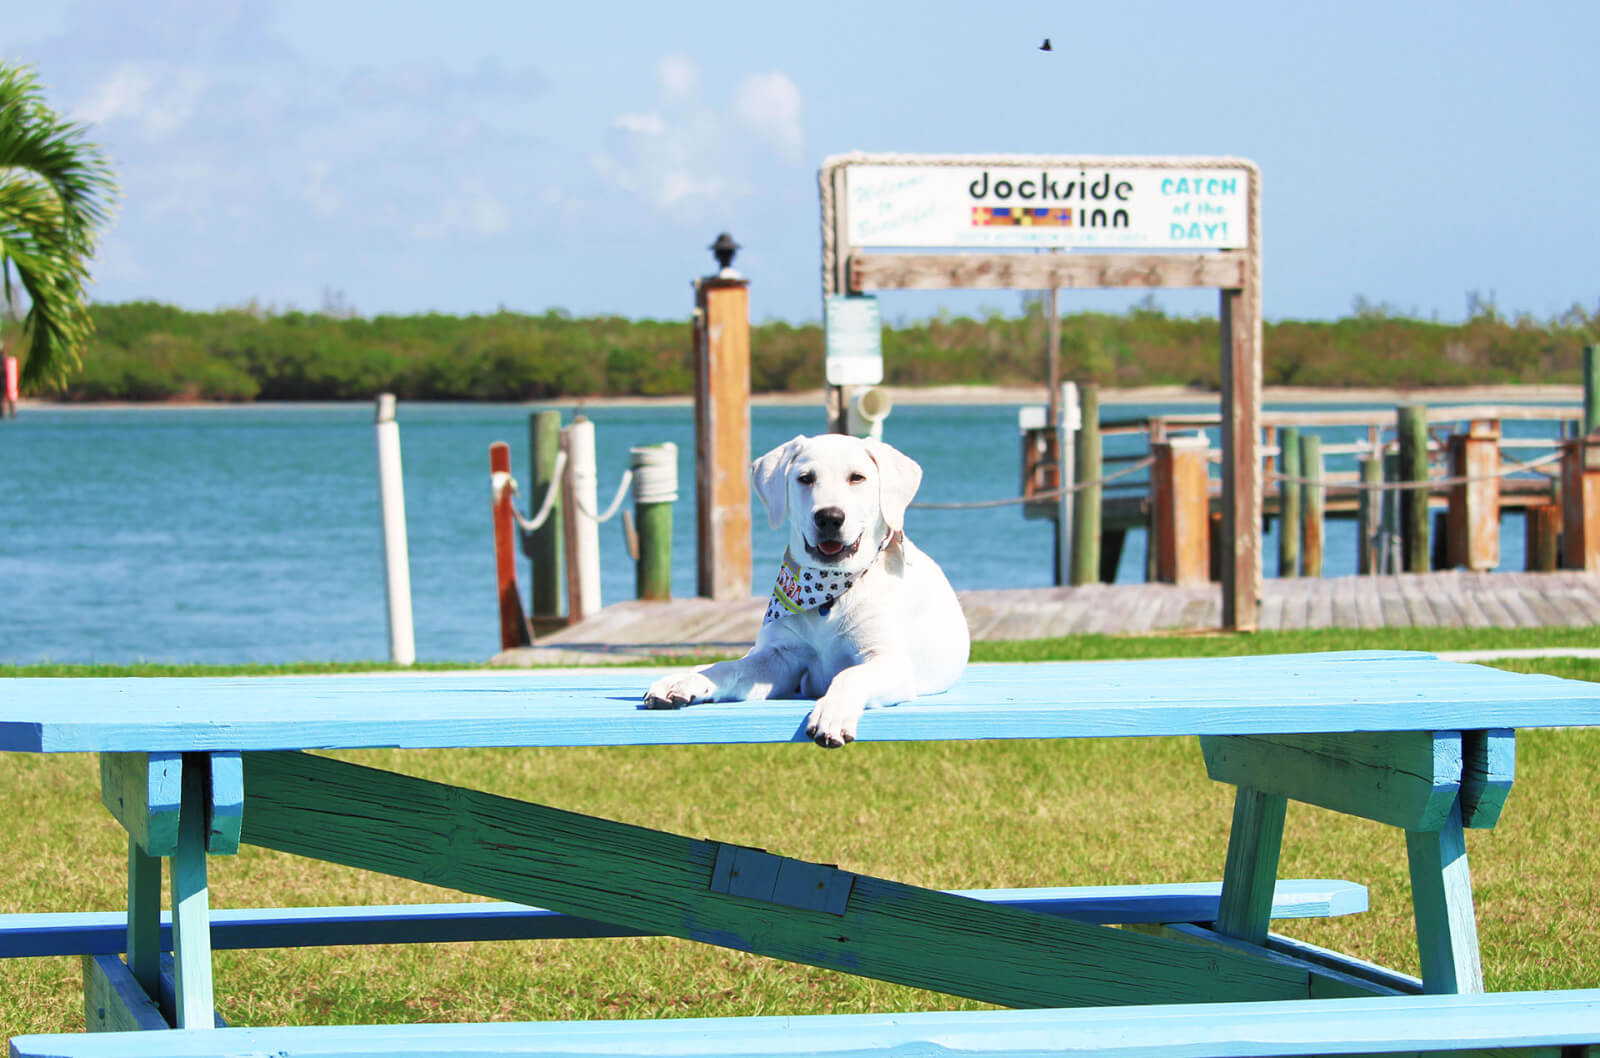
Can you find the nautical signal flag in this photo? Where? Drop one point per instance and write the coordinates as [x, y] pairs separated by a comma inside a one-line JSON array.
[[1021, 216]]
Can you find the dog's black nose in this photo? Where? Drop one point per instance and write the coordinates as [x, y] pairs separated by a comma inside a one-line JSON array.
[[829, 519]]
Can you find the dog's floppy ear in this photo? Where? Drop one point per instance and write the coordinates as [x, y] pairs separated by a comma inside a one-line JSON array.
[[770, 474], [898, 479]]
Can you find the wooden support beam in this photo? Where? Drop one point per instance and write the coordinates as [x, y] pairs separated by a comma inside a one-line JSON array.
[[114, 1001], [1541, 539], [1086, 521], [191, 906], [663, 883], [1406, 779], [143, 923], [1441, 894], [144, 792], [1024, 271], [1241, 449], [1488, 768], [1250, 874]]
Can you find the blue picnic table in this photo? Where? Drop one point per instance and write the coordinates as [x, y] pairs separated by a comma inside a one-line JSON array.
[[193, 768]]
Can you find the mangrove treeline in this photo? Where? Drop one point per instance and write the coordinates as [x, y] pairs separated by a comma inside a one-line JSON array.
[[144, 351]]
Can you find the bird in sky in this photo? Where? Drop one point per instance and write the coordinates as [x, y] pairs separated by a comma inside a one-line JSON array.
[[1046, 45]]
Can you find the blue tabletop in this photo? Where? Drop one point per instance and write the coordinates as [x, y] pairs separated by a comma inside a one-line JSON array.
[[1273, 694]]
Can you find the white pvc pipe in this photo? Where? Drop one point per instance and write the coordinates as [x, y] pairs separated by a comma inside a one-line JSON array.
[[396, 560], [581, 521]]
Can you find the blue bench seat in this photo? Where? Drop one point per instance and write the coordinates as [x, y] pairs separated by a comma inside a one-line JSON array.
[[105, 932], [1363, 1026]]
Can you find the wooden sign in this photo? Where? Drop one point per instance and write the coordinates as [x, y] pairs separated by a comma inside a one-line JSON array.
[[1024, 206]]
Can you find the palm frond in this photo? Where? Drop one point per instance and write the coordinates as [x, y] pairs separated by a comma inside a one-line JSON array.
[[56, 193]]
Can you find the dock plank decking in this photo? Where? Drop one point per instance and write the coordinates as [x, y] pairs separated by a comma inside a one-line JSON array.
[[633, 630]]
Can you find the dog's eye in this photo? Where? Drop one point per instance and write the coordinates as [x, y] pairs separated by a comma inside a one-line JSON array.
[[806, 477], [857, 478]]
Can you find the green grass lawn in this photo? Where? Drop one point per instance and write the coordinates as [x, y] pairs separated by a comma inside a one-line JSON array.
[[947, 815]]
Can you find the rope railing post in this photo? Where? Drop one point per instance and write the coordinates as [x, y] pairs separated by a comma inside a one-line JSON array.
[[1086, 513], [396, 557], [582, 534], [1369, 513], [1411, 423], [514, 630], [1289, 502], [543, 545], [655, 490], [1314, 505], [1473, 516]]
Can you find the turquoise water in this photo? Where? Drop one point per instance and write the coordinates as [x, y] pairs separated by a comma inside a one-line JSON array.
[[251, 533]]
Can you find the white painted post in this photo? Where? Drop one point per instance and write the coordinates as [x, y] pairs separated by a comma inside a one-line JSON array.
[[1066, 456], [396, 560], [580, 500]]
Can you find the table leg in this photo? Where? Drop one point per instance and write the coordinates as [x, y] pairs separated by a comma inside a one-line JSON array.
[[191, 908], [144, 918], [1251, 871], [1441, 893]]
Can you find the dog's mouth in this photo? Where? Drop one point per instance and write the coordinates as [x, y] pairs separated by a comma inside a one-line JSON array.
[[832, 550]]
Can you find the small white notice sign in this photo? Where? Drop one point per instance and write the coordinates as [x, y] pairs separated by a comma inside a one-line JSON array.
[[853, 340]]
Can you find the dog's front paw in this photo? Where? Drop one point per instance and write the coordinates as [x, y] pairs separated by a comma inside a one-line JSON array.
[[672, 692], [832, 722]]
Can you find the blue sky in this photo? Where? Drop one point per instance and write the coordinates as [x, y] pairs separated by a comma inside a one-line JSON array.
[[398, 157]]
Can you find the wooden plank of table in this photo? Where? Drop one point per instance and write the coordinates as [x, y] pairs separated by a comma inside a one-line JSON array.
[[1275, 694], [191, 908], [1488, 768], [662, 883]]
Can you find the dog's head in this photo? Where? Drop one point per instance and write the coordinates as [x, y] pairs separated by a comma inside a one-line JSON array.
[[842, 496]]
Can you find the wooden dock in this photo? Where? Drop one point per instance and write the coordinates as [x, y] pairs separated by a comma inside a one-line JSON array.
[[635, 630]]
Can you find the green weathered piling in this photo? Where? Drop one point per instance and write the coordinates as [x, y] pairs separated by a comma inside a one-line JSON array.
[[655, 485], [544, 545], [1289, 502], [1411, 423], [1086, 512], [1591, 388], [1369, 511]]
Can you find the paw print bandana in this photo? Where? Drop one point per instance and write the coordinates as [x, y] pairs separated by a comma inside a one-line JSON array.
[[804, 589]]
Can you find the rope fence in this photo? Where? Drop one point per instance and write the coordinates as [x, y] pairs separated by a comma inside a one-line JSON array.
[[1040, 497], [1511, 466]]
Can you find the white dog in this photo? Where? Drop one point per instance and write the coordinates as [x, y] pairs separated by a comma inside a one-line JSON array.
[[859, 616]]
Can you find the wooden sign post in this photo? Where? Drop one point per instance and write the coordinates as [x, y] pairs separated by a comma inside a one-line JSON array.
[[1203, 215], [722, 434]]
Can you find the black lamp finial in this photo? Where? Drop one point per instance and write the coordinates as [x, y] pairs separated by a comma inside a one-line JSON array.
[[724, 249]]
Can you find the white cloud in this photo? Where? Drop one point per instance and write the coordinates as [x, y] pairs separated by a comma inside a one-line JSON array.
[[159, 101], [472, 211], [769, 104], [643, 124], [678, 76]]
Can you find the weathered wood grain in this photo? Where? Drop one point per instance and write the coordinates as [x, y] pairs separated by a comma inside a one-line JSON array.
[[661, 883], [1407, 779], [1488, 768], [1250, 872], [113, 1000], [1441, 896], [144, 792]]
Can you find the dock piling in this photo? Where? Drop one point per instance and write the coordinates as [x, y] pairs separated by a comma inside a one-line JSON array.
[[543, 546], [1086, 518], [396, 558], [1411, 423], [1314, 504], [514, 630], [1289, 502]]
